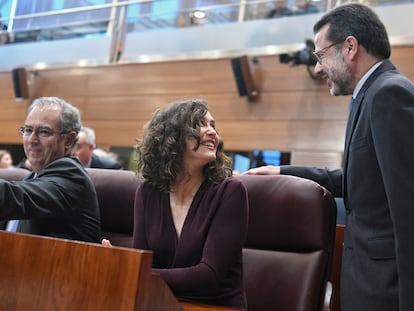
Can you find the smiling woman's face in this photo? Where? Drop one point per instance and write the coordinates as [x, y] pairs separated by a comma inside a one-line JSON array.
[[209, 140]]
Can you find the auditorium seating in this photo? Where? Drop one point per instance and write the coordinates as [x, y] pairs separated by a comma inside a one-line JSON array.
[[288, 254]]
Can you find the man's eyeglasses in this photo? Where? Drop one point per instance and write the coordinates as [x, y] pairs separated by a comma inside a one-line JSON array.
[[319, 54], [43, 132]]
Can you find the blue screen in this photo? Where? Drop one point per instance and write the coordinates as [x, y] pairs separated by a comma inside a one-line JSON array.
[[241, 163]]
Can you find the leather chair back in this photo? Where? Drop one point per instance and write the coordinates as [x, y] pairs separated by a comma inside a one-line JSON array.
[[289, 249], [116, 195]]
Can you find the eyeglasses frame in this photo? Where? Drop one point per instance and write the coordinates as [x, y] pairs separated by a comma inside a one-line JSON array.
[[319, 54], [36, 132]]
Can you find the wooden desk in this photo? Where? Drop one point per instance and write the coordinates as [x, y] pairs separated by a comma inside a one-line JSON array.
[[47, 274], [193, 307]]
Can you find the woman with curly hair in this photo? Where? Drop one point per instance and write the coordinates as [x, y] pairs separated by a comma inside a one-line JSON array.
[[189, 210]]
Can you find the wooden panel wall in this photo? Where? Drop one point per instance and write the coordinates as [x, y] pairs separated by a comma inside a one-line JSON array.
[[294, 112]]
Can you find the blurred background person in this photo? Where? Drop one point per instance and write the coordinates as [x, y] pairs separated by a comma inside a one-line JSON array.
[[84, 150], [5, 37], [6, 160], [305, 7], [280, 9]]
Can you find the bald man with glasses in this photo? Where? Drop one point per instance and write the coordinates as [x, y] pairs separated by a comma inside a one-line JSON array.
[[57, 198]]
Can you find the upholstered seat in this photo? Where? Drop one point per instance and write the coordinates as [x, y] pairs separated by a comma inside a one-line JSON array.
[[116, 194]]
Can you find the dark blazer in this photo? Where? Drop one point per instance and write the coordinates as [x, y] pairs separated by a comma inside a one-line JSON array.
[[377, 182], [60, 202], [100, 162]]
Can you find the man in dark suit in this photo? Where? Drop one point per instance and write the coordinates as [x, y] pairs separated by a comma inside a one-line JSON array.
[[377, 178], [84, 150], [57, 198]]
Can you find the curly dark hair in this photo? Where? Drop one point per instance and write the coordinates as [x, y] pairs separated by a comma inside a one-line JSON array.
[[161, 149]]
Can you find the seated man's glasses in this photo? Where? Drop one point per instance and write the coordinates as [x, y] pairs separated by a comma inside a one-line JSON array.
[[319, 54], [43, 132]]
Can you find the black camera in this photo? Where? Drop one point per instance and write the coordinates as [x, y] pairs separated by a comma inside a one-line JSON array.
[[302, 57]]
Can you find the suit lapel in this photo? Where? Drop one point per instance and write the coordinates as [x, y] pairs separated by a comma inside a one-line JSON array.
[[354, 116]]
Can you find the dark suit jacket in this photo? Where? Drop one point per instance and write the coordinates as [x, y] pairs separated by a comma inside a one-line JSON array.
[[60, 202], [377, 182], [100, 162]]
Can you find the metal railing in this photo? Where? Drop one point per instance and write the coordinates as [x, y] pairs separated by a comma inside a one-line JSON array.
[[111, 13], [118, 18], [218, 13]]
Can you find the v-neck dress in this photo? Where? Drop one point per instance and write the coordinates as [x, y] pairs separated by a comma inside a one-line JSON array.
[[204, 265]]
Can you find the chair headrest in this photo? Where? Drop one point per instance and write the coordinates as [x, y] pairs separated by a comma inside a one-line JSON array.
[[289, 212]]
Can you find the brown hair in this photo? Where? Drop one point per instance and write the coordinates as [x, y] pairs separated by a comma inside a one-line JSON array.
[[160, 151]]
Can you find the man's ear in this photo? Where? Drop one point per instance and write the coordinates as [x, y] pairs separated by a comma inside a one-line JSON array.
[[351, 45], [70, 140]]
